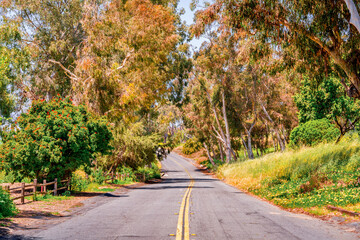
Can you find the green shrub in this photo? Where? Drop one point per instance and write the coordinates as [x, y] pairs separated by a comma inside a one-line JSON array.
[[7, 207], [53, 139], [191, 146], [313, 132], [97, 176], [7, 178], [149, 172], [78, 183]]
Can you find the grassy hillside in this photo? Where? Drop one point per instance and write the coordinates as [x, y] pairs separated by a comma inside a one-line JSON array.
[[308, 178]]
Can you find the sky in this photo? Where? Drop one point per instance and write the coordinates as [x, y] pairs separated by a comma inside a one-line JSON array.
[[188, 17]]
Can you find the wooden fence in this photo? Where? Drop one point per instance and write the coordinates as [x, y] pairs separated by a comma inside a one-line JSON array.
[[33, 189]]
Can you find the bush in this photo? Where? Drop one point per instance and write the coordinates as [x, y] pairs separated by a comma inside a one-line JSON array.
[[78, 183], [7, 207], [313, 132], [97, 176], [191, 146], [52, 140], [152, 172]]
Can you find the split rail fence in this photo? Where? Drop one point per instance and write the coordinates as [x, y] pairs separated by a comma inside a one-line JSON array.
[[24, 189]]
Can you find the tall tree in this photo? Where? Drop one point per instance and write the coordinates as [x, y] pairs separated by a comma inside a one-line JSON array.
[[13, 62], [52, 31], [316, 36], [124, 64]]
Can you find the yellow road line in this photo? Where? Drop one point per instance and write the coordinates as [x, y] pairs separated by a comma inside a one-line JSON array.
[[184, 210], [181, 217], [186, 226]]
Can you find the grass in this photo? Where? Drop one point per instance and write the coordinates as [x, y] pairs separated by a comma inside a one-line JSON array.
[[49, 197], [307, 178], [95, 187]]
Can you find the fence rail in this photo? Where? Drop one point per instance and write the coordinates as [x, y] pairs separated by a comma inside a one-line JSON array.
[[24, 187]]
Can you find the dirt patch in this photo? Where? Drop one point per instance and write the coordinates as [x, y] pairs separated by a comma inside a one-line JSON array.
[[33, 214]]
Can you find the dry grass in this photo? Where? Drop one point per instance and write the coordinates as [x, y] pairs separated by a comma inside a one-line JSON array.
[[199, 156]]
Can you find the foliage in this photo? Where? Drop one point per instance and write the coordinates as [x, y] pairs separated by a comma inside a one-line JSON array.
[[150, 172], [97, 176], [52, 31], [329, 170], [49, 197], [125, 65], [314, 132], [53, 139], [191, 145], [324, 101], [133, 147], [79, 183], [327, 101], [313, 37], [13, 61], [96, 187], [7, 207]]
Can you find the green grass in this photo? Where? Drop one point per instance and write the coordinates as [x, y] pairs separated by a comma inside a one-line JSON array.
[[303, 178], [49, 197], [95, 187]]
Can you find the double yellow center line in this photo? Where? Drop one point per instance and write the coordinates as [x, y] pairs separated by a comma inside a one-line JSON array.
[[183, 220]]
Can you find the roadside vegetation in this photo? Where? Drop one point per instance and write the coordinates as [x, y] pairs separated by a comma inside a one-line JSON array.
[[270, 101], [306, 177]]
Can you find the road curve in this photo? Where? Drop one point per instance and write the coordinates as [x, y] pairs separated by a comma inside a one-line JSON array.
[[190, 205]]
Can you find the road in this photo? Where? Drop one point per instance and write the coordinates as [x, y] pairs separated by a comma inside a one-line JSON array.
[[188, 204]]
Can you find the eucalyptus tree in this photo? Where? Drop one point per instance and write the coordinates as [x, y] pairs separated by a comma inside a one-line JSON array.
[[317, 37], [14, 60], [52, 31]]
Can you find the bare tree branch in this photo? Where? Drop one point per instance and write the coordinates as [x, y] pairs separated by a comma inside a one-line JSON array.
[[355, 18]]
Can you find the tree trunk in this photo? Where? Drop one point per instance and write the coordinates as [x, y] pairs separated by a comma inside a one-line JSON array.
[[355, 18], [228, 138], [221, 151], [221, 136], [250, 151], [245, 147], [208, 153], [282, 145], [274, 143], [248, 133]]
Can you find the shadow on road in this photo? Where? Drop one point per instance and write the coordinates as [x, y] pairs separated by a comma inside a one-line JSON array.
[[170, 187], [182, 180], [17, 237], [169, 183], [169, 171], [113, 195]]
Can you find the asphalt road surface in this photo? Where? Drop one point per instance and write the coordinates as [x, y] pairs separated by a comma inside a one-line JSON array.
[[188, 204]]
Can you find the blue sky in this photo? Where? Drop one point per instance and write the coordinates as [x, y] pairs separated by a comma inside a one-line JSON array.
[[188, 17]]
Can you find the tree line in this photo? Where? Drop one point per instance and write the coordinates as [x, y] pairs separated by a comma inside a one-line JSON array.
[[269, 66], [119, 62], [266, 67]]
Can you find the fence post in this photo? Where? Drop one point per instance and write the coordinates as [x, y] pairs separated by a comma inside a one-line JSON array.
[[34, 190], [44, 182], [55, 187], [68, 184], [7, 188], [22, 193]]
